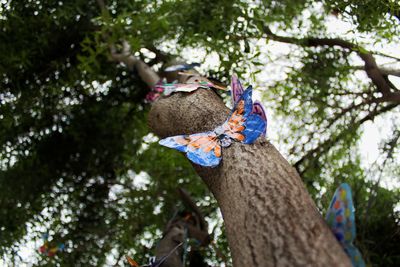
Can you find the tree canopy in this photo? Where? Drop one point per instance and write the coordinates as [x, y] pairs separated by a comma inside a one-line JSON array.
[[77, 159]]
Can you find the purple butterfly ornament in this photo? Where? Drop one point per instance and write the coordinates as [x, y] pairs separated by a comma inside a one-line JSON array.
[[237, 92]]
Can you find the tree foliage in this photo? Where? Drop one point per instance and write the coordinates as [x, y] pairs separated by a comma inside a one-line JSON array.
[[78, 161]]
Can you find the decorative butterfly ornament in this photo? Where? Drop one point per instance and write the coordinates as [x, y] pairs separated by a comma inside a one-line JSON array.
[[237, 92], [192, 84], [205, 148], [341, 220], [169, 88], [181, 67], [48, 249]]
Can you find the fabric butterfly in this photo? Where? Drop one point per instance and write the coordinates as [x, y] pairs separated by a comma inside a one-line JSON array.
[[237, 92], [205, 148], [169, 88], [181, 67], [153, 262], [192, 84], [166, 89], [341, 220], [155, 92], [48, 249]]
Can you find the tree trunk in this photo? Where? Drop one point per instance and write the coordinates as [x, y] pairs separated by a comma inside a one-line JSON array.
[[173, 237], [269, 216], [178, 230]]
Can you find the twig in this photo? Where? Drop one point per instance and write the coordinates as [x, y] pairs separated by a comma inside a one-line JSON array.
[[190, 204], [370, 66], [149, 76], [327, 144], [374, 192], [384, 70]]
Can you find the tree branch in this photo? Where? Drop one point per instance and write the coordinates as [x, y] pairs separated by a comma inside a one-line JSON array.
[[149, 76], [102, 5], [374, 190], [186, 199], [384, 70], [371, 68], [326, 145], [160, 55], [173, 237], [180, 228], [331, 121]]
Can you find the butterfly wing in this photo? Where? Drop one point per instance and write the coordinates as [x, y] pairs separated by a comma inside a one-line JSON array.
[[52, 251], [340, 215], [170, 88], [131, 261], [155, 92], [202, 149], [243, 125], [179, 142], [45, 237], [340, 218], [192, 65], [355, 255], [190, 87], [175, 68], [236, 90], [61, 247], [166, 88], [43, 249], [181, 67], [205, 83], [260, 111], [151, 97]]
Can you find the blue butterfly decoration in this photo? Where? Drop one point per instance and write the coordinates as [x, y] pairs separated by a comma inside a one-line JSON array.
[[237, 92], [205, 148], [341, 220]]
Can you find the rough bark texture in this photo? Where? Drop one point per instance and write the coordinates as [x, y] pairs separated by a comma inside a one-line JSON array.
[[270, 218]]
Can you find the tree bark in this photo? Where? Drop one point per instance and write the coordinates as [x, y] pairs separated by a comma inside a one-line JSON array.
[[173, 237], [179, 229], [269, 216]]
